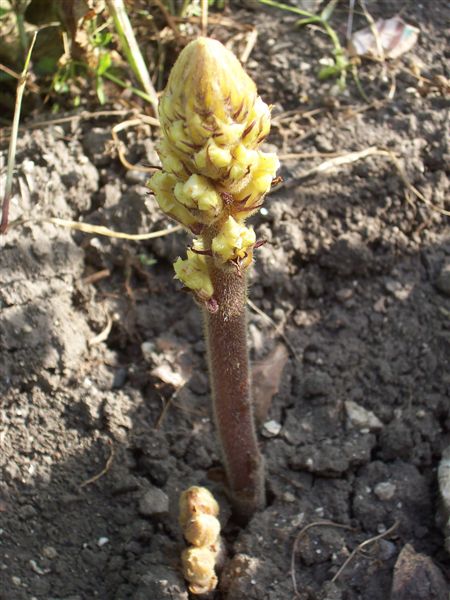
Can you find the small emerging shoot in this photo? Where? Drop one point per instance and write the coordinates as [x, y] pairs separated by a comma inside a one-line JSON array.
[[201, 529]]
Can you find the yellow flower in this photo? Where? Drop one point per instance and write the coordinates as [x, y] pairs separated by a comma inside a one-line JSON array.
[[163, 184], [193, 272], [235, 241], [198, 193]]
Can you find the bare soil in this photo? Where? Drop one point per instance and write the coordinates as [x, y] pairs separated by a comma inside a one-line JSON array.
[[356, 276]]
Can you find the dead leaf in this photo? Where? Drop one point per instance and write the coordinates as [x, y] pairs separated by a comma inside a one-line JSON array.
[[387, 38], [266, 376]]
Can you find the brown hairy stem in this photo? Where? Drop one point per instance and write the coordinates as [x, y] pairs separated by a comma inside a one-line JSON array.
[[226, 334]]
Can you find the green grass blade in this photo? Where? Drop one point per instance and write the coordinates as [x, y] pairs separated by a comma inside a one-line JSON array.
[[131, 49], [13, 141]]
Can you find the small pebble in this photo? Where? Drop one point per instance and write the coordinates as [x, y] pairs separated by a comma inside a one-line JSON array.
[[398, 290], [443, 280], [120, 377], [344, 294], [362, 418], [49, 552], [298, 520], [288, 497], [37, 569], [148, 348], [271, 429], [386, 550], [380, 305], [385, 490], [154, 502], [102, 541]]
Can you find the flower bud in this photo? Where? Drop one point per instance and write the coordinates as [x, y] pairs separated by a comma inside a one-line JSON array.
[[193, 272]]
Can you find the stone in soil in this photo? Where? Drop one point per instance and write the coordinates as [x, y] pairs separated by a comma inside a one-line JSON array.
[[153, 503], [416, 577]]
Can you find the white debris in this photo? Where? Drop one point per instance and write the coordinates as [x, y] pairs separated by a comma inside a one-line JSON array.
[[361, 418], [385, 490], [271, 429], [102, 541], [37, 569]]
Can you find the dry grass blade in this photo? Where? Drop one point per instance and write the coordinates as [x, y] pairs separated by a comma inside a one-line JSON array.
[[32, 86], [247, 38], [278, 331], [103, 335], [101, 230], [363, 545], [292, 155], [339, 160], [98, 276], [142, 119], [380, 50], [251, 41], [351, 12], [166, 405], [103, 471], [375, 33], [170, 20], [301, 535], [85, 115], [412, 189], [204, 17], [220, 20], [13, 141]]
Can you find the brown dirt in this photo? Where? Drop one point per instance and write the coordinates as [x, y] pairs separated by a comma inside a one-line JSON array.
[[356, 276]]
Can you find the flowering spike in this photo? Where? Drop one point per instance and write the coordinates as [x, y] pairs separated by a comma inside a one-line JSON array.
[[214, 176]]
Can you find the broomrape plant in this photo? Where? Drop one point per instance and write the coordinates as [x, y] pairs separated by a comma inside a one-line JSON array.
[[213, 178]]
